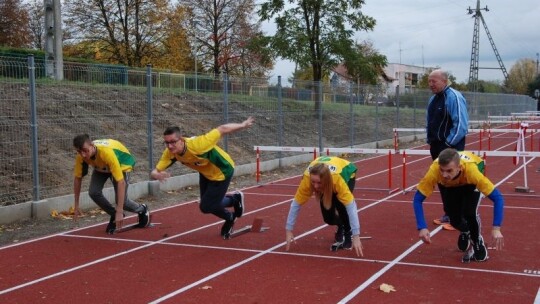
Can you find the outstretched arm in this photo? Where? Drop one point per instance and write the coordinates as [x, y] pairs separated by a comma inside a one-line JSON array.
[[498, 202], [233, 127], [355, 227], [289, 225], [423, 232]]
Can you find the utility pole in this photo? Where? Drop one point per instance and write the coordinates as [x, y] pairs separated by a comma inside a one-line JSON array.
[[473, 71], [54, 59]]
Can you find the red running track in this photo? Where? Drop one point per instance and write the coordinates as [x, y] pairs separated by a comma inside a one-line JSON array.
[[183, 259]]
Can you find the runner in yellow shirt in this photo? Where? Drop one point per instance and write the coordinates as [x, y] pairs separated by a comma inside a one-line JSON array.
[[110, 160], [460, 180], [332, 180], [214, 165]]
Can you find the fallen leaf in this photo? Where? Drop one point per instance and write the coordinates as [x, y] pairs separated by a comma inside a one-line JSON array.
[[386, 288], [206, 287]]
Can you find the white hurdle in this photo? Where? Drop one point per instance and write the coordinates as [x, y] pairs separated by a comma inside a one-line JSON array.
[[520, 153], [328, 151], [481, 132]]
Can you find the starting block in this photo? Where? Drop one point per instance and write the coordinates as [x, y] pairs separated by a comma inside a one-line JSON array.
[[133, 226], [256, 226], [523, 189]]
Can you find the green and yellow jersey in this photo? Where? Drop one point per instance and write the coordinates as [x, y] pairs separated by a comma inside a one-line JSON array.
[[472, 168], [111, 157], [203, 155], [342, 172]]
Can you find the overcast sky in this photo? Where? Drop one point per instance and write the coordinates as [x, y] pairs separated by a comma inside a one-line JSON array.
[[439, 33]]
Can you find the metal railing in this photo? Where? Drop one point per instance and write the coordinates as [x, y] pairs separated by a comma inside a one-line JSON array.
[[39, 117]]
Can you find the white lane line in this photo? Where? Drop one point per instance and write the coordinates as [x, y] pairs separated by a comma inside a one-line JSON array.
[[200, 228], [408, 251], [124, 252], [537, 299], [187, 287]]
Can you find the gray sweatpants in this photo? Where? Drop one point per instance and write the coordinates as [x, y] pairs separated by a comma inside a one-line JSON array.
[[97, 182]]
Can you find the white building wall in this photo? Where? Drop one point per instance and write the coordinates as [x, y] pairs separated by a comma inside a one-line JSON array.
[[404, 75]]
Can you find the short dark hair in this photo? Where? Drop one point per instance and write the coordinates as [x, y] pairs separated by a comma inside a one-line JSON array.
[[447, 156], [173, 130], [79, 140]]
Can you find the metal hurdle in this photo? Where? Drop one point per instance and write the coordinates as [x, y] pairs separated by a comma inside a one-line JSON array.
[[316, 152], [481, 132], [258, 150], [388, 152], [485, 155]]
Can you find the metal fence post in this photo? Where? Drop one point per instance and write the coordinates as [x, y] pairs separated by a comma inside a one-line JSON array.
[[225, 108], [397, 106], [320, 101], [149, 117], [351, 111], [34, 130], [414, 112], [280, 118]]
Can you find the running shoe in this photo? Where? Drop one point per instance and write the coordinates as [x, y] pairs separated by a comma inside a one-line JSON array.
[[111, 227], [463, 241], [480, 250], [144, 217], [238, 203], [227, 228], [338, 236]]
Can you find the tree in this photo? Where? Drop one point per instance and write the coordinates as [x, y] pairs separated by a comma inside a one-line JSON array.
[[14, 18], [315, 33], [177, 52], [521, 74], [250, 59], [36, 25], [127, 32], [365, 64], [222, 32]]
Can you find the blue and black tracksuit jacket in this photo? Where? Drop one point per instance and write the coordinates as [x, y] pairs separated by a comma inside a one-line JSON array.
[[447, 118]]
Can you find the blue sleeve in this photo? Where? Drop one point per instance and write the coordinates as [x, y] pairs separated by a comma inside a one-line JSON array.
[[419, 210], [353, 218], [293, 213], [498, 205], [456, 106]]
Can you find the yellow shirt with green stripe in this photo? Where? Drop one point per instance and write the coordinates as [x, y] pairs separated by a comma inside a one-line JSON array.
[[111, 157], [203, 155], [342, 172], [472, 167]]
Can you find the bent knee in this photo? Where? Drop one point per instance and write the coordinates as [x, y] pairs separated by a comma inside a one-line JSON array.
[[205, 208]]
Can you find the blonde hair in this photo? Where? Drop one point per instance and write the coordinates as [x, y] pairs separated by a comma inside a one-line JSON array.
[[325, 195]]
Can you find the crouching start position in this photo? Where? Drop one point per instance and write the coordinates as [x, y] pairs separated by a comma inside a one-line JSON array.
[[332, 181], [110, 160], [460, 178]]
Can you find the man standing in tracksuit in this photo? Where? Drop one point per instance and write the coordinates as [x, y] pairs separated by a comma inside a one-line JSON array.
[[447, 122]]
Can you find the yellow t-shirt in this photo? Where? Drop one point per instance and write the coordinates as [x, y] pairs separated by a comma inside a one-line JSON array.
[[471, 167], [111, 157], [342, 171], [203, 155]]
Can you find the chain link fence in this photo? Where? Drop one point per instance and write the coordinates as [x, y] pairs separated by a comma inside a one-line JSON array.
[[39, 117]]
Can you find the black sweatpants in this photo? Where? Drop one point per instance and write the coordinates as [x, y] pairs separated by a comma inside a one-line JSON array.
[[461, 205], [337, 214]]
